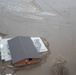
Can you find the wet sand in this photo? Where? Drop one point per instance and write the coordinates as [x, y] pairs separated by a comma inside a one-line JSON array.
[[59, 31]]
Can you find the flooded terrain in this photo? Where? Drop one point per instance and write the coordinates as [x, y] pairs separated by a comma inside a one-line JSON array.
[[51, 19]]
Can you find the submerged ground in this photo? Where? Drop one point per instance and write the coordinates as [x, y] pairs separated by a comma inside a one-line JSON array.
[[51, 19]]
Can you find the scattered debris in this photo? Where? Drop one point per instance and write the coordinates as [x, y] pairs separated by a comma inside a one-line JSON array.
[[2, 69], [2, 34], [8, 74], [59, 67]]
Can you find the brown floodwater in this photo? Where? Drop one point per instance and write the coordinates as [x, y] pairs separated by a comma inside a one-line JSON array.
[[59, 30]]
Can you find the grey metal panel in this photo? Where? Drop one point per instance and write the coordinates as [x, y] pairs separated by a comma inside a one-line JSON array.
[[21, 48]]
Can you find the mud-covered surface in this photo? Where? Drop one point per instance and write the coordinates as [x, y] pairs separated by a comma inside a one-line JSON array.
[[51, 19]]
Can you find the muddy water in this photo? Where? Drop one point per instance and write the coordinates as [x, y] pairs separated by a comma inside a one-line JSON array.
[[59, 31]]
